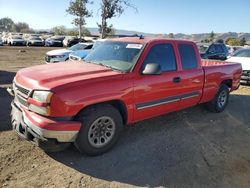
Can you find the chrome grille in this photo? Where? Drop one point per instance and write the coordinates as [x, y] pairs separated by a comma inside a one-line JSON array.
[[21, 94], [22, 90]]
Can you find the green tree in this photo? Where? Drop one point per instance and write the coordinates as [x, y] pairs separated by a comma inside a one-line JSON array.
[[110, 9], [233, 42], [78, 9], [243, 41], [171, 35], [21, 27], [59, 30], [211, 36], [74, 32], [6, 24]]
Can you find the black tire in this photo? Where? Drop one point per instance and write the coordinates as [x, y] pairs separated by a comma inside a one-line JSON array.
[[218, 104], [90, 122]]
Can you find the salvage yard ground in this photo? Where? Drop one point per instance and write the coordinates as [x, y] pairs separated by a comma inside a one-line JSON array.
[[190, 148]]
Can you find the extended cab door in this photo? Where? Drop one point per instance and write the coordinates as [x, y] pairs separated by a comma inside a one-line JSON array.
[[157, 94], [192, 74]]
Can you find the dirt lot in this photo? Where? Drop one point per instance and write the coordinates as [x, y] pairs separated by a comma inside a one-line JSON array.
[[191, 148]]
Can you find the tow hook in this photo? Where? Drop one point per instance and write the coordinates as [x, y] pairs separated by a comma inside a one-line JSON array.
[[11, 91]]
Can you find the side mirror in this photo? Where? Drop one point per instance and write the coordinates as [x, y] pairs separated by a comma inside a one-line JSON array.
[[152, 69]]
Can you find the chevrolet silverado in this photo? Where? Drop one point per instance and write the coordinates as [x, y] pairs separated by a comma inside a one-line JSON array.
[[120, 82]]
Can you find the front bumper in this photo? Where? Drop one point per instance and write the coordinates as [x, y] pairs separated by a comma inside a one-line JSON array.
[[245, 77], [30, 126]]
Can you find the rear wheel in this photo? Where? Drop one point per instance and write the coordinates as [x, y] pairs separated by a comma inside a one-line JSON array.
[[101, 127], [220, 101]]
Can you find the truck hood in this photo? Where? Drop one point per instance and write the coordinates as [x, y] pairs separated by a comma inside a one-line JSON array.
[[58, 52], [51, 76], [244, 61]]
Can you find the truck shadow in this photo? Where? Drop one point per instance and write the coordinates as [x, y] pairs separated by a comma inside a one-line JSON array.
[[169, 150], [6, 77]]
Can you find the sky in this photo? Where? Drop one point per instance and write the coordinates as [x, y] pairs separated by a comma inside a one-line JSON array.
[[153, 16]]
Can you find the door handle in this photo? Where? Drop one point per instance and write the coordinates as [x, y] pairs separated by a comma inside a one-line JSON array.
[[177, 79]]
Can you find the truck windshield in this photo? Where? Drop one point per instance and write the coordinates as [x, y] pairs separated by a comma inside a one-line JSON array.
[[116, 55]]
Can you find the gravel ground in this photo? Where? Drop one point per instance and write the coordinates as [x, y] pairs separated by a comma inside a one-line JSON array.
[[190, 148]]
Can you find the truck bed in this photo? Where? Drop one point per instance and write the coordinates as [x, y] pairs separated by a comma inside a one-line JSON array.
[[215, 73]]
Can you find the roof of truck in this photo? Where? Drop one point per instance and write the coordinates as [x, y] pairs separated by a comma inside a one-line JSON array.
[[144, 40]]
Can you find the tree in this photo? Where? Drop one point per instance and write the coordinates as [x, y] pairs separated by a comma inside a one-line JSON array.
[[171, 35], [110, 9], [211, 36], [21, 27], [59, 30], [78, 8], [6, 24], [243, 41], [74, 32], [233, 42]]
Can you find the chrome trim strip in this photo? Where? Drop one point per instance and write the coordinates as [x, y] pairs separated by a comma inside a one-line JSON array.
[[157, 104], [168, 100]]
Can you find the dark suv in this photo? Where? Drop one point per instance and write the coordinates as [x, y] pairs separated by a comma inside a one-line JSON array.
[[216, 51]]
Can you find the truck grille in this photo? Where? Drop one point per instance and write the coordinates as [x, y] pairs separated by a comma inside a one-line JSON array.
[[22, 90], [21, 94]]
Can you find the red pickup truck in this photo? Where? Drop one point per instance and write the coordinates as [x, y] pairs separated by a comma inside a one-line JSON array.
[[122, 81]]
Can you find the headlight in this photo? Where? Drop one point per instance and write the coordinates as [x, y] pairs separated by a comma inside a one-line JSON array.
[[42, 96], [40, 101]]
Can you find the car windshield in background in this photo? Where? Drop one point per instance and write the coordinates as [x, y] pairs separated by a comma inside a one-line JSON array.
[[17, 37], [202, 48], [116, 55], [36, 38], [242, 53], [78, 47]]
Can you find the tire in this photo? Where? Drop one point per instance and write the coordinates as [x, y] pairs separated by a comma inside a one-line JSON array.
[[220, 101], [101, 128]]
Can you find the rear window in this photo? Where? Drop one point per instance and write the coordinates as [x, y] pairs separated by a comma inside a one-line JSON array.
[[188, 56]]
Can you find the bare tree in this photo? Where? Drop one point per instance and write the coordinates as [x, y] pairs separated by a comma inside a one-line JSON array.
[[78, 8], [110, 9]]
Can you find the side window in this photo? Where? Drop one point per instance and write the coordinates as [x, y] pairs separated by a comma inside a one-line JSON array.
[[162, 54], [188, 56], [218, 49], [211, 49]]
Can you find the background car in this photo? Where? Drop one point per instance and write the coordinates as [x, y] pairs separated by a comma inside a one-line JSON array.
[[1, 42], [16, 41], [242, 56], [54, 41], [60, 55], [35, 41], [81, 54], [216, 51], [70, 41]]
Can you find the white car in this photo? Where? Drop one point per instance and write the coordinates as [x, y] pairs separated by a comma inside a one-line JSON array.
[[242, 56], [61, 55], [16, 41]]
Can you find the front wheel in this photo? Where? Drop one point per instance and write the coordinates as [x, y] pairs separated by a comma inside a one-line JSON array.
[[220, 101], [101, 127]]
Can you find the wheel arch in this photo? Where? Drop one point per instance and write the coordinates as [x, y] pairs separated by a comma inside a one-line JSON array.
[[118, 104]]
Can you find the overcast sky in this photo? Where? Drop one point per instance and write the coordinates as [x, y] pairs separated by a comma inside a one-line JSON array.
[[154, 16]]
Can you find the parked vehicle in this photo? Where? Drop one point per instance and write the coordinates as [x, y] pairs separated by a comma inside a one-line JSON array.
[[35, 41], [60, 55], [16, 41], [122, 81], [217, 51], [1, 42], [81, 54], [70, 41], [56, 41], [232, 49], [242, 56]]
